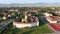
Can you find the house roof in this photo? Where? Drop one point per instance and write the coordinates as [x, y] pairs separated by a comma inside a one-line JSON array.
[[53, 18]]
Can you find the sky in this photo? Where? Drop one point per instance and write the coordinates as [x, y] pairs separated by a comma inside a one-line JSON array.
[[28, 1]]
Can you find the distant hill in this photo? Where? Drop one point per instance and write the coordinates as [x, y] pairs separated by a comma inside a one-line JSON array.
[[30, 4]]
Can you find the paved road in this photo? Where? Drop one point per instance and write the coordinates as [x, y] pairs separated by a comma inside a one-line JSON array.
[[8, 22]]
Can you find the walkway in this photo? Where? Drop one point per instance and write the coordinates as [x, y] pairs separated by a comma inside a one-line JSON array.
[[8, 22], [55, 32]]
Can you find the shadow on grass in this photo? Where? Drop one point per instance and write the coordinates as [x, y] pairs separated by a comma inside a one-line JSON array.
[[28, 32], [15, 30], [42, 21]]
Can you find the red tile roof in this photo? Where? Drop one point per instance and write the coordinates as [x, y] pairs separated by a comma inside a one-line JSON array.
[[53, 18]]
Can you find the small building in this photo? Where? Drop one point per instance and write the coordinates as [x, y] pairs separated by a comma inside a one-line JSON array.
[[57, 12], [9, 15], [53, 19], [4, 18], [14, 10], [47, 14]]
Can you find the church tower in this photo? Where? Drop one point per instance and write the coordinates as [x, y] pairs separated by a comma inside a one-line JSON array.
[[25, 18]]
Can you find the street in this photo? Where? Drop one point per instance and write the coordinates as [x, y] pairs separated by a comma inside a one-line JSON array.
[[5, 25]]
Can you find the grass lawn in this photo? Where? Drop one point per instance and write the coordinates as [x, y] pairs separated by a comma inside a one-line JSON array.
[[34, 30]]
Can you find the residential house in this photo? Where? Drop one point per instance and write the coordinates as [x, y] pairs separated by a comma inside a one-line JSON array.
[[47, 14], [53, 19]]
